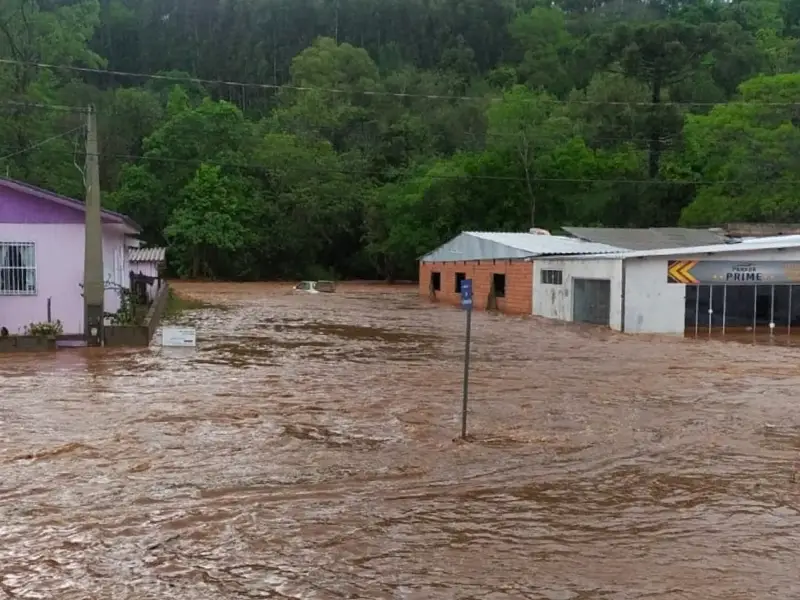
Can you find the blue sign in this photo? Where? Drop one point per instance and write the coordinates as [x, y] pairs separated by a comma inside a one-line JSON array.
[[466, 293]]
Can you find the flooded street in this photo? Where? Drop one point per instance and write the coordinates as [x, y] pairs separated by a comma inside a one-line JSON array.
[[305, 450]]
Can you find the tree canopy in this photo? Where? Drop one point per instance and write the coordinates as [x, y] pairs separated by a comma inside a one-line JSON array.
[[344, 138]]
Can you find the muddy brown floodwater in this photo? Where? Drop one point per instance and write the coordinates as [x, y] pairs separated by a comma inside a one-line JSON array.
[[304, 450]]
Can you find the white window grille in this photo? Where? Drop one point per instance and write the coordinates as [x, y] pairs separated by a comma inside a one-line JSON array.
[[17, 269]]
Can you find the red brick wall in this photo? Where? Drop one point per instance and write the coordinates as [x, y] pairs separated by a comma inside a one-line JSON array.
[[519, 283]]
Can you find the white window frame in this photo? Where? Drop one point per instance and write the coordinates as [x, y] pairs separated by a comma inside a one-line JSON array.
[[18, 279]]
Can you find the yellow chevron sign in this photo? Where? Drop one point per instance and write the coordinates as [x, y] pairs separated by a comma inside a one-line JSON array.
[[680, 271]]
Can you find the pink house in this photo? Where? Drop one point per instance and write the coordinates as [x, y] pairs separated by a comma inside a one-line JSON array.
[[41, 257]]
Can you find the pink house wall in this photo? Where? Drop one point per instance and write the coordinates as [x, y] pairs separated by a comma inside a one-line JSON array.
[[57, 230], [59, 273]]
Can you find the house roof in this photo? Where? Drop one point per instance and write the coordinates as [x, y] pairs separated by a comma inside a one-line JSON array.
[[155, 255], [761, 229], [782, 242], [773, 238], [649, 238], [487, 245], [32, 190]]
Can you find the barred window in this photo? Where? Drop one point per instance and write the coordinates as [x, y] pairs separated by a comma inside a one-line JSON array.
[[551, 276], [17, 269]]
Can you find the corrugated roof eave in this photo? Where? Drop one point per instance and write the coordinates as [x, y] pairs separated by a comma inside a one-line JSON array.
[[700, 250]]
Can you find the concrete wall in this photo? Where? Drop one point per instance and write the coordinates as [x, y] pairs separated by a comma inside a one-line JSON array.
[[59, 273], [24, 343], [139, 335], [654, 306], [555, 301], [518, 274], [651, 304]]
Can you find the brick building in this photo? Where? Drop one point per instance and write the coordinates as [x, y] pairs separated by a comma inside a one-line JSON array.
[[510, 280], [499, 264]]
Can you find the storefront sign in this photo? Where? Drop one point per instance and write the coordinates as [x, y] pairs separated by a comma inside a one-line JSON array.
[[709, 272]]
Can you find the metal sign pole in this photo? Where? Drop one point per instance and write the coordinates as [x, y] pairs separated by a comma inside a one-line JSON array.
[[724, 306], [772, 311], [710, 307], [466, 304]]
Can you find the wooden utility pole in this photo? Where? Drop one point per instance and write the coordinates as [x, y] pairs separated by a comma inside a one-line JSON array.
[[93, 287]]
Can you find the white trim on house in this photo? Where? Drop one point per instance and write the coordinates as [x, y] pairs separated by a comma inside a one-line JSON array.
[[756, 245], [18, 269]]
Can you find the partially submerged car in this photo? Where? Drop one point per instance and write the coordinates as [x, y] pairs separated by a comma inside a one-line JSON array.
[[315, 287]]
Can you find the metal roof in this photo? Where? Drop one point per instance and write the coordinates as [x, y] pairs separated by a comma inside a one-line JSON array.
[[783, 242], [772, 238], [647, 238], [155, 255], [486, 245]]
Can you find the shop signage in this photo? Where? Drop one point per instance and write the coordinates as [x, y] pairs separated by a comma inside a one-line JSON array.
[[710, 272]]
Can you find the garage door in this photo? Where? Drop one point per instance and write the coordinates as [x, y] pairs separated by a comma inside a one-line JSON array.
[[591, 301]]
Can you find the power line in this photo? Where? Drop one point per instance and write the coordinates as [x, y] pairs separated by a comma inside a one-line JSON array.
[[634, 139], [446, 177], [44, 106], [40, 144], [198, 162], [374, 93]]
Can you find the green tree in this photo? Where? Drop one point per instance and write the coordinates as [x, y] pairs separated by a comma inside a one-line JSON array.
[[745, 155], [660, 55], [208, 224]]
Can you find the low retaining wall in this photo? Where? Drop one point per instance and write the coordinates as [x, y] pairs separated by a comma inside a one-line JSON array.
[[27, 343], [117, 336]]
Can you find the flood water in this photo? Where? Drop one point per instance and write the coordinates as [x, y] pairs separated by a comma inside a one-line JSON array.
[[305, 450]]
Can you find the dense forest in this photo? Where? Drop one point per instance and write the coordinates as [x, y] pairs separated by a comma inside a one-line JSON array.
[[344, 138]]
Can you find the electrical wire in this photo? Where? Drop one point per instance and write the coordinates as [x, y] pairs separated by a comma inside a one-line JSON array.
[[316, 169], [40, 144], [44, 106], [374, 93], [642, 139]]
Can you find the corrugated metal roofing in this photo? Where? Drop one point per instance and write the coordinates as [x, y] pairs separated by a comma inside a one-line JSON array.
[[487, 245], [147, 255], [772, 238], [754, 245], [647, 238]]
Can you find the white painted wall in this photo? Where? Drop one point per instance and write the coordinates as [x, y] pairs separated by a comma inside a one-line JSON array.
[[555, 301], [651, 304], [115, 266], [654, 306], [151, 270], [145, 268]]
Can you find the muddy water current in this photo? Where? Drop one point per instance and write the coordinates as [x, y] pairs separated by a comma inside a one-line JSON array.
[[305, 450]]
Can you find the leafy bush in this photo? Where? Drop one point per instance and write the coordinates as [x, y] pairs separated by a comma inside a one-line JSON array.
[[45, 329]]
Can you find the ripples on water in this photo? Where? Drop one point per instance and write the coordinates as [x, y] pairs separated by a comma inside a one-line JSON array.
[[305, 450]]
